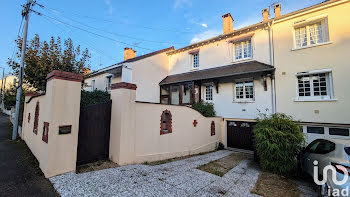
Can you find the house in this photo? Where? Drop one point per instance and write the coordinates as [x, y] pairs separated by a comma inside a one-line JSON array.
[[311, 48], [280, 64]]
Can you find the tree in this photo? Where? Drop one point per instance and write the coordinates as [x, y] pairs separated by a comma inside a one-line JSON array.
[[279, 140], [42, 57]]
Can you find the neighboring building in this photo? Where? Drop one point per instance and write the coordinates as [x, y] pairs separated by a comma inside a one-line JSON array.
[[294, 63], [311, 48]]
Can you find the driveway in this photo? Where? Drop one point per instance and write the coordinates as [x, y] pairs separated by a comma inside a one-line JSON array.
[[178, 178], [19, 173]]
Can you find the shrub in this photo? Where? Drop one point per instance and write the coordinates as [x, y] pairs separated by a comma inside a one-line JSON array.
[[93, 97], [278, 142], [205, 108]]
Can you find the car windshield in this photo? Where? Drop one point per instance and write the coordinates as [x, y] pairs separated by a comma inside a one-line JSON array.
[[347, 150]]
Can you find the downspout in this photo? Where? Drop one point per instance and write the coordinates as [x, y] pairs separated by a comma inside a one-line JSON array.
[[271, 51]]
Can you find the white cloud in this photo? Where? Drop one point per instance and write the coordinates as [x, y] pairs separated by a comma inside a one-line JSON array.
[[205, 35], [110, 7], [181, 3], [204, 25]]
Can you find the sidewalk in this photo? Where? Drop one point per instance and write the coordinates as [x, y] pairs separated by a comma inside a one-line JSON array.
[[19, 171]]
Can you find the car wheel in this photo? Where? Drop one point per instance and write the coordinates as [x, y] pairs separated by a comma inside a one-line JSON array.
[[324, 190]]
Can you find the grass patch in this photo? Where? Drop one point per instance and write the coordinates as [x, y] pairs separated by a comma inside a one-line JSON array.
[[222, 166], [154, 163], [98, 165], [274, 185]]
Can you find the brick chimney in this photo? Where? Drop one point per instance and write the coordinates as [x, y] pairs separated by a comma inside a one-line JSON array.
[[277, 10], [227, 23], [129, 53], [265, 13]]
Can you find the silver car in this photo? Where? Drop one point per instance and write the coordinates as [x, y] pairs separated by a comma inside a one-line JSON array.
[[335, 152]]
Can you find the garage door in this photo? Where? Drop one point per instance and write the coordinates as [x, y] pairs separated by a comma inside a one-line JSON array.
[[240, 134], [325, 132]]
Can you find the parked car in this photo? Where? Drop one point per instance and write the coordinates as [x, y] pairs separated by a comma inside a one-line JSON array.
[[335, 152]]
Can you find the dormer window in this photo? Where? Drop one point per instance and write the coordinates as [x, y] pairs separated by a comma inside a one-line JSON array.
[[243, 50]]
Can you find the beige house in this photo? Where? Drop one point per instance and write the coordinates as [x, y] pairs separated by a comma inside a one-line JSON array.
[[280, 64]]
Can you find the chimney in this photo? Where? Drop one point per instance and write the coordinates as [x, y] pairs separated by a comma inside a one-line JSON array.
[[227, 23], [265, 13], [129, 53], [277, 10]]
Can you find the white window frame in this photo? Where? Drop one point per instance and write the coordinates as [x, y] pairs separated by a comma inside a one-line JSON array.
[[312, 97], [108, 86], [244, 99], [241, 44], [93, 84], [193, 60], [205, 92], [307, 23]]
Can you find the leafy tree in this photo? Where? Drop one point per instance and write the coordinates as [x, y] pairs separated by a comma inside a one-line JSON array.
[[93, 97], [42, 57], [278, 142]]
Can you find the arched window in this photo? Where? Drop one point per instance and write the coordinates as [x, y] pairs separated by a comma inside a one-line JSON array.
[[166, 122], [212, 128], [36, 118], [45, 137]]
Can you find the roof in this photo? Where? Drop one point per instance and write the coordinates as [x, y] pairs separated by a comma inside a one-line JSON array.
[[250, 28], [117, 65], [219, 72]]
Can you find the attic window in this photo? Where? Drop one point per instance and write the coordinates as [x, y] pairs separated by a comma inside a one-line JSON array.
[[166, 123]]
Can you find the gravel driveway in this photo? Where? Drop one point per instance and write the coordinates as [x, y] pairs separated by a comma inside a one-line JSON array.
[[178, 178]]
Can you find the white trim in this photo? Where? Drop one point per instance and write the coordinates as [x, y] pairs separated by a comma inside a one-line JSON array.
[[314, 99], [326, 70], [309, 20], [310, 46], [244, 99]]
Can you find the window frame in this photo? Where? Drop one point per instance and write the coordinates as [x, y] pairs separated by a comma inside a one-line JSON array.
[[244, 99], [193, 67], [312, 97], [93, 84], [205, 92], [108, 85], [323, 19], [241, 44]]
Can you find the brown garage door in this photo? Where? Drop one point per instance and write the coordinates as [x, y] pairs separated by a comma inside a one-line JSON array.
[[240, 134]]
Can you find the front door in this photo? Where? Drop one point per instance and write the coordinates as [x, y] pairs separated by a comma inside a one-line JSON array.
[[240, 134]]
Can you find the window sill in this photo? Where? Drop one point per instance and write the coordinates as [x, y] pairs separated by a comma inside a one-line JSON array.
[[242, 60], [314, 100], [243, 101], [194, 69], [310, 46]]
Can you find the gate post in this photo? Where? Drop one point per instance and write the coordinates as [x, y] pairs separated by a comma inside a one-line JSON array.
[[123, 117]]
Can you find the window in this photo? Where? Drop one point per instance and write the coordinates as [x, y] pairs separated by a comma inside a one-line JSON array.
[[315, 130], [195, 60], [186, 94], [339, 131], [45, 137], [243, 50], [164, 94], [325, 147], [244, 90], [166, 122], [311, 34], [108, 82], [315, 86], [93, 85], [208, 92], [175, 95], [212, 128], [36, 118]]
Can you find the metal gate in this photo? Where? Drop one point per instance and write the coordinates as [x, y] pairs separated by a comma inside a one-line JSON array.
[[240, 134], [94, 129]]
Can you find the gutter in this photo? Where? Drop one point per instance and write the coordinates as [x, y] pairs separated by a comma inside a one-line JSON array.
[[272, 63]]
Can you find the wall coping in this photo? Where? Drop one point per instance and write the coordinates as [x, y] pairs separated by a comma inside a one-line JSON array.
[[123, 85], [58, 74]]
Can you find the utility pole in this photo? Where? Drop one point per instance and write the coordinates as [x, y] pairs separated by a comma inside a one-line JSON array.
[[25, 14]]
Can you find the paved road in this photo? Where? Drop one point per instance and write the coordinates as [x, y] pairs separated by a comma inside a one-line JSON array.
[[19, 171]]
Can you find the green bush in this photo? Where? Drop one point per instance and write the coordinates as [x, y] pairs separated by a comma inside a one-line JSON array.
[[278, 142], [205, 108], [93, 97]]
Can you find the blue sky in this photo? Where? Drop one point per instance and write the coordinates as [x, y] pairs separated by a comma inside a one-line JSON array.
[[142, 25]]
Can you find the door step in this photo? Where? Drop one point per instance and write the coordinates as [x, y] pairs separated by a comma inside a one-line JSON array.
[[240, 150]]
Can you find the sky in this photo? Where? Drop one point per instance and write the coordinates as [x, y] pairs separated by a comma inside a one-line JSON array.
[[106, 27]]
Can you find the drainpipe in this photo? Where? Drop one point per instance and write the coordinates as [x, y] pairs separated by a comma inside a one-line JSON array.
[[272, 62]]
